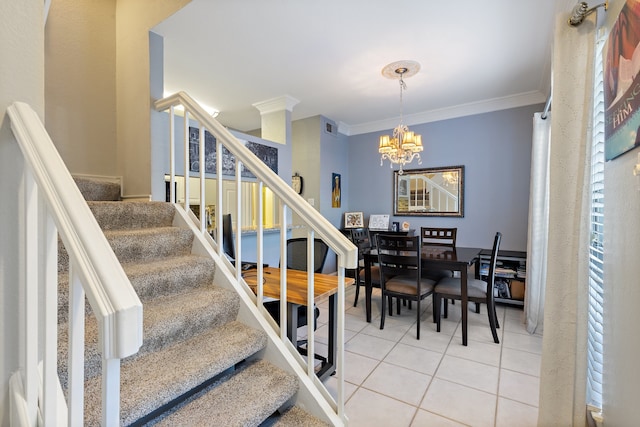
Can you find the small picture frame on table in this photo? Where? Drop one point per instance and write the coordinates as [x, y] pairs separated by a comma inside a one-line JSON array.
[[353, 220]]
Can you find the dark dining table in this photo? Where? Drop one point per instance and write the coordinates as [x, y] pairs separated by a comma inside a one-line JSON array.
[[438, 258]]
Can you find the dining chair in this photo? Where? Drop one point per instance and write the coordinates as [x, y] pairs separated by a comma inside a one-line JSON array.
[[361, 238], [399, 259], [297, 260], [438, 237], [478, 291]]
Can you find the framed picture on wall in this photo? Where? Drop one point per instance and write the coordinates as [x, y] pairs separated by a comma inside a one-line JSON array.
[[353, 220], [335, 190]]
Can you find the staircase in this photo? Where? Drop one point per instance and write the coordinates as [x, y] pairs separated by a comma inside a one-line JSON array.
[[198, 365]]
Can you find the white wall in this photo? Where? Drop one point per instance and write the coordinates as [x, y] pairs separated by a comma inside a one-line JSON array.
[[621, 282], [21, 79], [316, 155], [305, 156], [98, 86], [134, 19], [495, 149], [81, 84]]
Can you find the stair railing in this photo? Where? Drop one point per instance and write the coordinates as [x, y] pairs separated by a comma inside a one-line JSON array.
[[290, 202], [54, 208]]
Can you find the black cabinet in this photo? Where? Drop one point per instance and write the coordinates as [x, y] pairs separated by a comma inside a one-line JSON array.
[[511, 273]]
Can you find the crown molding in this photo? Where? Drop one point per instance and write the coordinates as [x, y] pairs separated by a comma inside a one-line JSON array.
[[486, 106], [272, 105]]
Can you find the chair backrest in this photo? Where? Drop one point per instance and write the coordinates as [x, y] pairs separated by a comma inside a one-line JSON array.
[[492, 264], [227, 236], [297, 254], [432, 236], [360, 238], [398, 255]]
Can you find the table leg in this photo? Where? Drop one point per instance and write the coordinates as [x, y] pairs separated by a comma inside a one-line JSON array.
[[329, 367], [292, 323], [464, 303]]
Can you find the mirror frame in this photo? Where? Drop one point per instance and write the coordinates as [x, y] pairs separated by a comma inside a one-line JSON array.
[[429, 171]]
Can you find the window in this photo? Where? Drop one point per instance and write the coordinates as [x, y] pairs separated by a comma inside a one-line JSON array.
[[595, 326]]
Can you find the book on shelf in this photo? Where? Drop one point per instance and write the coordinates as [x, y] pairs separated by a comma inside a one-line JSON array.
[[500, 271]]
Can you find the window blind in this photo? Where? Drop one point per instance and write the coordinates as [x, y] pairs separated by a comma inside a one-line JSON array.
[[596, 283]]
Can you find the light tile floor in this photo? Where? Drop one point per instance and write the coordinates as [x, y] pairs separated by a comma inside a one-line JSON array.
[[393, 379]]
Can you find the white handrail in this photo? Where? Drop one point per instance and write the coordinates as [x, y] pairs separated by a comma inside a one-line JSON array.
[[316, 224], [92, 263], [325, 230]]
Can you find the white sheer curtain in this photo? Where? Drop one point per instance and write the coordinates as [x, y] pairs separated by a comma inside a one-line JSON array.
[[564, 368], [538, 224]]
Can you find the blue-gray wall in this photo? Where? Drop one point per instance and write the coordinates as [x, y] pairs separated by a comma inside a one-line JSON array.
[[495, 149]]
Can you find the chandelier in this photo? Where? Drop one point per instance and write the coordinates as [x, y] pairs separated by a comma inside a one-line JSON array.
[[404, 145]]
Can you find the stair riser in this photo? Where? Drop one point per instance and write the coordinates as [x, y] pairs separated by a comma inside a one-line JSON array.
[[131, 215], [141, 247], [181, 276], [97, 189]]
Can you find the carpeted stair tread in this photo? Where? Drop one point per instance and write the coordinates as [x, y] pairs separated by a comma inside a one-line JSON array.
[[297, 417], [169, 276], [166, 320], [192, 340], [152, 380], [166, 276], [240, 400], [123, 215], [98, 189], [138, 245]]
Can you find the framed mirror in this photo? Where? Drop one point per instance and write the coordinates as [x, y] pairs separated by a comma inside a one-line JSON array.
[[429, 192]]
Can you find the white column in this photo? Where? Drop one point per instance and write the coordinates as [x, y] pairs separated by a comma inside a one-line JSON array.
[[276, 118]]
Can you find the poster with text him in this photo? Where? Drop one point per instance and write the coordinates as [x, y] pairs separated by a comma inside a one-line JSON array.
[[622, 82]]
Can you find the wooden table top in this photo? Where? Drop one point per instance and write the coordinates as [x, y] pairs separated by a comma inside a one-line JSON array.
[[324, 285]]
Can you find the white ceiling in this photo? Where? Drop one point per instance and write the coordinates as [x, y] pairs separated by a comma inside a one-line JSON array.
[[475, 56]]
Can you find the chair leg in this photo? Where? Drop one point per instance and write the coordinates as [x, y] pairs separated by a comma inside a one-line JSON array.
[[433, 305], [446, 308], [398, 304], [436, 309], [390, 302], [495, 314], [478, 308], [382, 312], [355, 301], [493, 319], [417, 318]]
